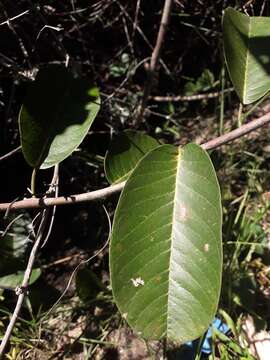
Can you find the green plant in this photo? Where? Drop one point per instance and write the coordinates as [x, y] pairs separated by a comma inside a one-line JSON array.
[[166, 238]]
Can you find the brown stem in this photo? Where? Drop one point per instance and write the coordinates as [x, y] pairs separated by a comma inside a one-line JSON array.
[[237, 133], [196, 97], [155, 57], [113, 189]]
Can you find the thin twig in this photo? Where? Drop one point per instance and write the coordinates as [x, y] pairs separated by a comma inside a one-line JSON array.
[[14, 17], [113, 189], [9, 154], [54, 187], [81, 263], [155, 57], [22, 290], [142, 34], [237, 133], [19, 39], [196, 97], [62, 260], [135, 24], [3, 234], [62, 200]]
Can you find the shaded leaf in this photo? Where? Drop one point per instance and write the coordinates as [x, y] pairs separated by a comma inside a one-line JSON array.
[[124, 152], [166, 249], [16, 279], [16, 240], [56, 115], [204, 82], [247, 53], [87, 284]]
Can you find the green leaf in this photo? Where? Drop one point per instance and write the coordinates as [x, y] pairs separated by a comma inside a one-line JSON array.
[[56, 115], [166, 249], [87, 284], [124, 152], [247, 53], [16, 279], [16, 240]]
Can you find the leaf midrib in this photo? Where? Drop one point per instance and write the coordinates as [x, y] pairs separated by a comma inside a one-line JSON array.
[[179, 155], [247, 61]]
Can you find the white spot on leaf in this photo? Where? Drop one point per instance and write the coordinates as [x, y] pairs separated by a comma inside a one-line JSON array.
[[137, 282], [182, 213], [125, 315], [206, 247]]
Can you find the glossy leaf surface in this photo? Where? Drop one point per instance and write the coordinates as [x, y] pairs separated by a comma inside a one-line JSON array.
[[166, 249], [247, 53], [125, 151], [56, 115]]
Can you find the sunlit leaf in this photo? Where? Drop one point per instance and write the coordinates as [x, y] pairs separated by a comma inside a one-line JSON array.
[[124, 152], [166, 249], [56, 115], [247, 53]]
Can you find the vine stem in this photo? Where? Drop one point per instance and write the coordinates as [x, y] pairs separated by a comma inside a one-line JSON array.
[[21, 291], [113, 189], [9, 154]]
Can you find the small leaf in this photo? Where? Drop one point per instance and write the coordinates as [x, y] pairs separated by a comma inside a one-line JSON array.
[[87, 284], [247, 53], [166, 249], [124, 152], [56, 115], [16, 279], [16, 240]]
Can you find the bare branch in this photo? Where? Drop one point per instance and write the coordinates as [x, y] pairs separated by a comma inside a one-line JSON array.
[[12, 152], [113, 189], [14, 17], [195, 97], [237, 133], [155, 57], [63, 200]]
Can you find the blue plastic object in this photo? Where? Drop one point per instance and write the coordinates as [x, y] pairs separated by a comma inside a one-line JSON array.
[[206, 347], [219, 325]]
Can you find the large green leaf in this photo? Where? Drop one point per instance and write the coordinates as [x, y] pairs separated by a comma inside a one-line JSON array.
[[124, 152], [166, 248], [247, 53], [56, 115]]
